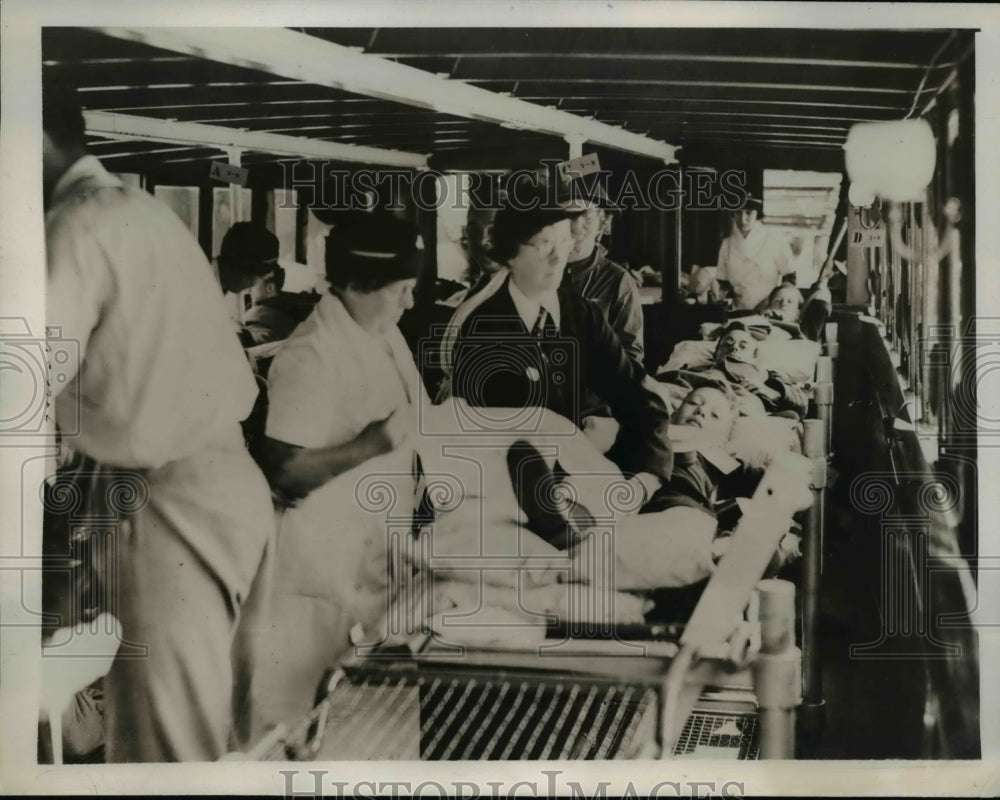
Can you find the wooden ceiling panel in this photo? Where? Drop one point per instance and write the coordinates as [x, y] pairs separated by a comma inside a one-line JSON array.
[[613, 68], [894, 47], [774, 89]]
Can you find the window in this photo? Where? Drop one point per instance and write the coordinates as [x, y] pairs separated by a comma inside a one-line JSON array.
[[316, 232], [451, 221], [285, 207], [282, 220], [184, 202], [228, 206], [803, 206]]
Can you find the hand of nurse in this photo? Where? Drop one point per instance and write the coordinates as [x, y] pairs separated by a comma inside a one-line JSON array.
[[386, 435]]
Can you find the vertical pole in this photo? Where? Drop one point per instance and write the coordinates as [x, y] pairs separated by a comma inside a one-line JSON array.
[[668, 724], [832, 345], [575, 146], [823, 396], [777, 670], [55, 730], [857, 264], [235, 193], [678, 246], [814, 447], [235, 203]]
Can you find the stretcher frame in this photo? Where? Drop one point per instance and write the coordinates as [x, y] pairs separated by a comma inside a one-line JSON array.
[[817, 441], [678, 671]]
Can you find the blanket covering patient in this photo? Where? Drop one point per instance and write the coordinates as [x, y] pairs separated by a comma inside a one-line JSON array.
[[488, 565], [734, 367]]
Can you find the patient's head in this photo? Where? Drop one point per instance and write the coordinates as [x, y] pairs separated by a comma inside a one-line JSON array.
[[736, 344], [784, 303], [710, 409]]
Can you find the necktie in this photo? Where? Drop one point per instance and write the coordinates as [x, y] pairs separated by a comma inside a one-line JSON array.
[[544, 325]]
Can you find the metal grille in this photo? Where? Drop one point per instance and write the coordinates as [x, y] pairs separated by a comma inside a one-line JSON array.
[[719, 735], [450, 718]]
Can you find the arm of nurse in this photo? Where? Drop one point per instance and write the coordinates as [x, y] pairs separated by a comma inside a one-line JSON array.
[[714, 277], [312, 432], [297, 470]]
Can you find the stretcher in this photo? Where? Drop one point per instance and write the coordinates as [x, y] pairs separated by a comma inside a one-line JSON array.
[[813, 363], [588, 691]]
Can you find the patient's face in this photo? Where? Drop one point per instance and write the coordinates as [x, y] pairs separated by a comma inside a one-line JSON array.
[[785, 304], [737, 345], [708, 409]]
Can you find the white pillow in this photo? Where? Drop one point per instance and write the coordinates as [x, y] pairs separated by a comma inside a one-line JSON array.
[[794, 357], [756, 441]]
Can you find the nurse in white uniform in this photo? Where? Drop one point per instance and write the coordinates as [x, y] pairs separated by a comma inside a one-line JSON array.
[[344, 394], [754, 259]]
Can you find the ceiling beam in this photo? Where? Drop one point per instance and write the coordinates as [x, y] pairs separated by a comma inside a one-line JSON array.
[[309, 59], [618, 56], [195, 134], [740, 85]]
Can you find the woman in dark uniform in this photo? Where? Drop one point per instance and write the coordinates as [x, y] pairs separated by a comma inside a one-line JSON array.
[[533, 343]]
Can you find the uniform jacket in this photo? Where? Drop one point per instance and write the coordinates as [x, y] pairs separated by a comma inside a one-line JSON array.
[[498, 363]]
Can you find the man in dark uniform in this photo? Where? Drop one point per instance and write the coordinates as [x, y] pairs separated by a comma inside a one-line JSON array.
[[536, 343], [599, 279]]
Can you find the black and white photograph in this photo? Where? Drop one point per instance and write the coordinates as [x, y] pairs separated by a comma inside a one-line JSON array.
[[541, 384]]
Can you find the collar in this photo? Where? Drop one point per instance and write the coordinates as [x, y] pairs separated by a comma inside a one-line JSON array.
[[335, 316], [464, 310], [756, 233], [591, 261], [720, 459], [685, 458], [715, 457], [528, 308], [86, 173], [735, 370]]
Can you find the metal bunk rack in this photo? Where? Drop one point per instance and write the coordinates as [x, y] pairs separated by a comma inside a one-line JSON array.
[[594, 699]]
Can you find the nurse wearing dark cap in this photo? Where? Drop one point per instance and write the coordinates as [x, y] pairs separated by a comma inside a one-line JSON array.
[[344, 394], [536, 343]]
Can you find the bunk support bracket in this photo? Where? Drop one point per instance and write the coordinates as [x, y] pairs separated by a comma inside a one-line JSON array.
[[812, 546], [777, 670]]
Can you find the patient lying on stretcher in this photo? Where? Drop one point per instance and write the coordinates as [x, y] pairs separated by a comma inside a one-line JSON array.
[[705, 476], [734, 367], [541, 532]]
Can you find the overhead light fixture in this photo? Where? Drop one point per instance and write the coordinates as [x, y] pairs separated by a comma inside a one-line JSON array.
[[195, 134], [895, 160], [291, 54], [860, 196]]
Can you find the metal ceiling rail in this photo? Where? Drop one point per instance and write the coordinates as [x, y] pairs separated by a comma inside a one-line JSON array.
[[589, 98], [742, 85], [195, 134], [685, 114], [306, 58], [680, 57], [549, 99]]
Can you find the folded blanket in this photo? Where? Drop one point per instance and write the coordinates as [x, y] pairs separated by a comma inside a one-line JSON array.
[[648, 551]]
